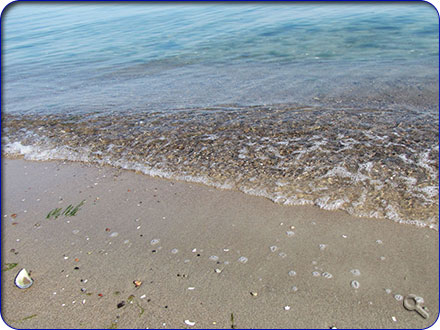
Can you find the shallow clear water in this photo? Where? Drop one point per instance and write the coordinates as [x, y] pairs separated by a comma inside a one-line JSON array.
[[331, 105]]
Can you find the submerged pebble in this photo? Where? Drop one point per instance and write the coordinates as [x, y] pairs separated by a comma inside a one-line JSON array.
[[154, 241], [115, 234], [355, 284], [292, 273], [213, 258], [273, 248], [398, 297]]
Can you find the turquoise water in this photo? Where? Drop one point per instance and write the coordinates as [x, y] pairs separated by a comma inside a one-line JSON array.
[[66, 57], [333, 105]]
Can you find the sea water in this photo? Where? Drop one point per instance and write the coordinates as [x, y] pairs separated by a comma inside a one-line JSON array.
[[333, 105]]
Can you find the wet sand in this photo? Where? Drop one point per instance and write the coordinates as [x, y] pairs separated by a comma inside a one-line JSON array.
[[218, 258]]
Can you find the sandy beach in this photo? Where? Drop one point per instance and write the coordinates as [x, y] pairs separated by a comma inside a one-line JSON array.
[[204, 258]]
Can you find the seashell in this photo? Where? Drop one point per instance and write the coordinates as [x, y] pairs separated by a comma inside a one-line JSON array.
[[23, 280], [188, 322], [137, 283]]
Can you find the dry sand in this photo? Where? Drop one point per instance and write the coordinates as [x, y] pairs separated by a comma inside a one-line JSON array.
[[199, 222]]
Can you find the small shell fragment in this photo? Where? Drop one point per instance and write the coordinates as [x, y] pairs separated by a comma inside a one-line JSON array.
[[286, 308], [188, 322], [23, 280], [137, 283], [218, 271], [355, 284], [254, 294]]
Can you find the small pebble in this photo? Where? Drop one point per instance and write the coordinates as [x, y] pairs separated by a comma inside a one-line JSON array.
[[379, 241], [273, 248], [294, 288], [290, 233], [388, 291], [398, 297], [191, 288], [155, 241], [292, 273], [218, 271], [254, 294], [115, 234], [143, 296], [213, 258], [394, 319], [282, 254], [355, 284], [174, 251], [316, 274], [286, 308], [322, 247]]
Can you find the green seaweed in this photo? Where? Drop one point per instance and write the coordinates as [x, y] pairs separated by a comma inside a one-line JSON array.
[[232, 321], [69, 211], [28, 317], [9, 266], [55, 213], [142, 310]]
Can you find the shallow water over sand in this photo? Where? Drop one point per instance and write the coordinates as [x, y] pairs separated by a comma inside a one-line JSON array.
[[373, 163]]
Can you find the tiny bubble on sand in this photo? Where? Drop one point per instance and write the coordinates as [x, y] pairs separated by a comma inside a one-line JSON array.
[[355, 272], [243, 260]]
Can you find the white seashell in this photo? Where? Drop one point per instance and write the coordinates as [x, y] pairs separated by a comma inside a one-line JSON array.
[[188, 322], [286, 308], [355, 284], [23, 280]]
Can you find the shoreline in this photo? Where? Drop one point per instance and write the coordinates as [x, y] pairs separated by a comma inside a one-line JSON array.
[[222, 226]]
